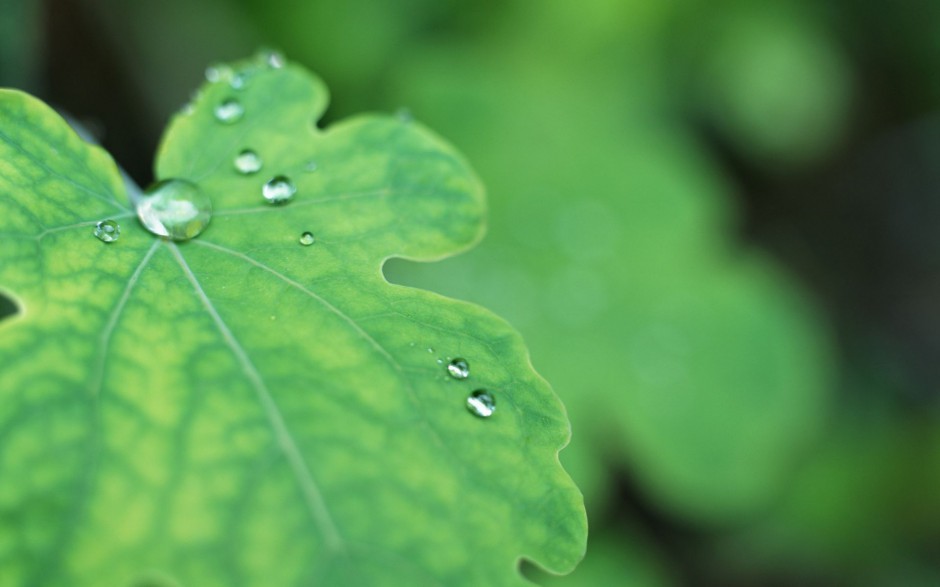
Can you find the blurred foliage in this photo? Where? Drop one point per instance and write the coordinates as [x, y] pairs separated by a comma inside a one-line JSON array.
[[728, 425]]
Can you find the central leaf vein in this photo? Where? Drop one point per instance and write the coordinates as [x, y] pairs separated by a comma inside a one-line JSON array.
[[311, 491]]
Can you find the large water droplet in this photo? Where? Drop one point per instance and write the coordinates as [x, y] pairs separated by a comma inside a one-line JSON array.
[[307, 239], [459, 368], [481, 403], [279, 190], [175, 208], [107, 231], [247, 162], [229, 111]]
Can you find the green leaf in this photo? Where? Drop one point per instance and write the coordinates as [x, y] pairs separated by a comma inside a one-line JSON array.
[[240, 409], [697, 368]]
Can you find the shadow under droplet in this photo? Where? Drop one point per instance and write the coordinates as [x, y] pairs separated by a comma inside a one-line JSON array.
[[8, 307]]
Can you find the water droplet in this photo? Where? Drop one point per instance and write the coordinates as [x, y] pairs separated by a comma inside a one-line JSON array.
[[430, 350], [459, 368], [481, 403], [238, 80], [107, 231], [404, 115], [307, 239], [174, 208], [218, 72], [273, 59], [310, 166], [279, 190], [440, 361], [229, 111], [247, 162]]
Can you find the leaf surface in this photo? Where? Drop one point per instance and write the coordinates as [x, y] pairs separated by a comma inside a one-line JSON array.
[[241, 409]]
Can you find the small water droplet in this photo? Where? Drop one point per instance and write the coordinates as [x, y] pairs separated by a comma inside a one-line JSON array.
[[279, 190], [107, 231], [247, 162], [440, 361], [307, 239], [430, 350], [459, 368], [229, 111], [273, 59], [310, 166], [238, 80], [175, 208], [217, 73], [481, 403], [404, 115]]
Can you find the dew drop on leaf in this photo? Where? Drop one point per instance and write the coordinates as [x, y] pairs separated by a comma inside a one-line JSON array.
[[273, 59], [217, 73], [238, 80], [459, 369], [229, 111], [310, 166], [481, 403], [279, 190], [175, 208], [247, 162], [307, 239], [107, 231], [404, 115]]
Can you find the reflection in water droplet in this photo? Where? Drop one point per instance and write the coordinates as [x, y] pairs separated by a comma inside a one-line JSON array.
[[279, 190], [174, 208], [229, 112], [459, 369], [247, 162], [481, 403], [307, 239], [107, 231]]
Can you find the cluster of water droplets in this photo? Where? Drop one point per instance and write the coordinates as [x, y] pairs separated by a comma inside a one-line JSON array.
[[480, 402], [279, 189]]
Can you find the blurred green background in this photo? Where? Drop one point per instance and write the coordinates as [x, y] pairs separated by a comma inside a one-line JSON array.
[[715, 223]]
